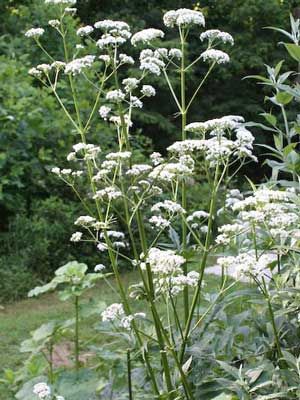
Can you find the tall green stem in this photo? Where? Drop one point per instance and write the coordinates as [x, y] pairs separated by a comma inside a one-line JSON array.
[[183, 186], [203, 262], [76, 338], [130, 395]]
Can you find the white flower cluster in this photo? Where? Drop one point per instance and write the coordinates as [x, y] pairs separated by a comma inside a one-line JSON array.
[[170, 171], [35, 32], [66, 172], [130, 84], [42, 390], [172, 286], [76, 66], [148, 91], [115, 314], [99, 268], [138, 169], [85, 30], [156, 158], [146, 36], [246, 264], [164, 262], [168, 206], [213, 35], [183, 16], [76, 237], [272, 212], [104, 111], [218, 147], [54, 23], [85, 221], [115, 33], [217, 56], [159, 222], [151, 61], [217, 125], [108, 193], [89, 150], [125, 59], [115, 95], [64, 2]]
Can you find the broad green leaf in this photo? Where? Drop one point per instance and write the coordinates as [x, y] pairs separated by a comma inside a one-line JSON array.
[[294, 50], [284, 98], [270, 118]]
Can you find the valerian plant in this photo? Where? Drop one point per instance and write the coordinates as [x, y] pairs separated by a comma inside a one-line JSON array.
[[116, 191]]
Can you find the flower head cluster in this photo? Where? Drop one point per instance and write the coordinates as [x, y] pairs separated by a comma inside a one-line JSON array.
[[172, 286], [35, 32], [168, 206], [146, 36], [108, 193], [151, 61], [217, 125], [183, 16], [213, 35], [64, 2], [42, 390], [217, 56], [76, 66], [85, 30], [164, 262], [115, 314], [272, 212], [115, 33], [247, 264]]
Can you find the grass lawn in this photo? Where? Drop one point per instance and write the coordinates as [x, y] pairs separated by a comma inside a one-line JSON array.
[[19, 319]]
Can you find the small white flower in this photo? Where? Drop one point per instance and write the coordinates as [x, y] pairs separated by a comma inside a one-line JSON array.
[[99, 268], [76, 237], [70, 10], [104, 111], [85, 220], [35, 72], [146, 36], [175, 53], [130, 84], [78, 64], [218, 56], [215, 34], [55, 170], [35, 33], [105, 58], [42, 390], [125, 59], [183, 16], [115, 95], [55, 2], [85, 30], [71, 156], [148, 91], [55, 23]]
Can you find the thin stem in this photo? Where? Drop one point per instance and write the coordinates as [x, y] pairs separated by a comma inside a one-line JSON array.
[[76, 338], [200, 85], [129, 375], [203, 261], [183, 186]]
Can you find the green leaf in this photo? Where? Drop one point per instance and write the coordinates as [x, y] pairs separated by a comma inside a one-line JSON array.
[[270, 118], [234, 372], [294, 50], [284, 98]]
